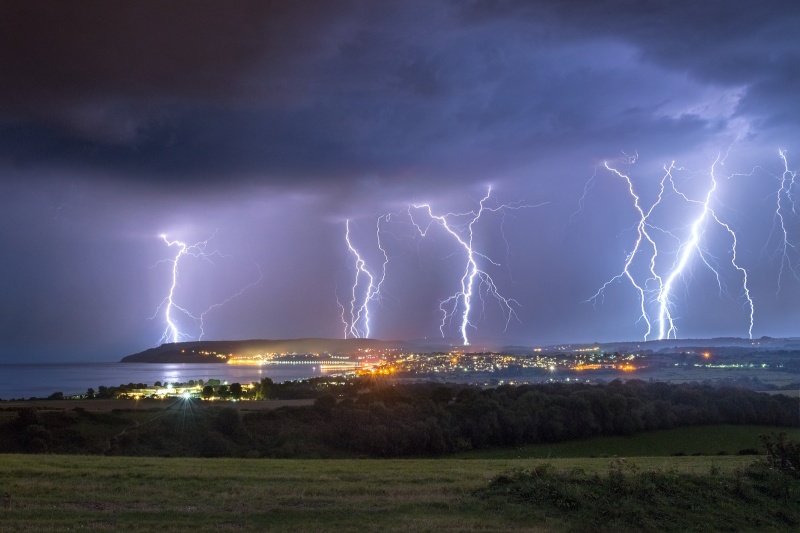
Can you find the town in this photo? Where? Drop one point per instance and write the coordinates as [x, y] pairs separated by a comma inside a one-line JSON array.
[[758, 369]]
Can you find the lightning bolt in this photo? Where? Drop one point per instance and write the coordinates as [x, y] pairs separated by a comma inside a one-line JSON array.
[[226, 300], [642, 236], [581, 201], [693, 246], [785, 205], [464, 233], [655, 289], [358, 326], [173, 333]]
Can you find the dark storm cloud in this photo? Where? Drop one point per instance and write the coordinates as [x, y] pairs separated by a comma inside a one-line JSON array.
[[731, 43], [56, 53], [267, 124], [281, 92], [83, 78]]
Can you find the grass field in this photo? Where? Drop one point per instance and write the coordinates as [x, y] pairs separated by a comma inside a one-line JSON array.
[[80, 493], [40, 493], [702, 440]]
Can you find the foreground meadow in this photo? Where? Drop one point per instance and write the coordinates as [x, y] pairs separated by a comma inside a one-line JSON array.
[[83, 493], [616, 457]]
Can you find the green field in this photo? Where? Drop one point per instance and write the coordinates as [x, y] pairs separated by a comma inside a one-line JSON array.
[[603, 484], [693, 440], [81, 493]]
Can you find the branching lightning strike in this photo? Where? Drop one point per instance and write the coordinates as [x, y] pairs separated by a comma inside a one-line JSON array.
[[464, 234], [358, 326], [642, 235], [692, 246], [655, 289], [785, 212], [173, 333], [786, 206]]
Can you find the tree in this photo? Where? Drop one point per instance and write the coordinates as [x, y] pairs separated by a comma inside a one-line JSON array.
[[227, 421], [208, 391], [441, 395], [782, 453], [90, 393], [36, 439], [26, 417], [325, 403], [236, 390], [265, 389], [222, 391]]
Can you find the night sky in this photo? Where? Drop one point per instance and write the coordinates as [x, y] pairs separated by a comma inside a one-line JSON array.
[[267, 125]]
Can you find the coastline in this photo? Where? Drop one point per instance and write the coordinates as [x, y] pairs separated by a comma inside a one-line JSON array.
[[40, 380], [145, 404]]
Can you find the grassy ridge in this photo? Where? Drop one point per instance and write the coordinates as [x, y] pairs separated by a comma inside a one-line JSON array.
[[81, 493], [756, 498]]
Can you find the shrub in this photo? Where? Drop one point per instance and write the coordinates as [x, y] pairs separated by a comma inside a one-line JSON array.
[[782, 453]]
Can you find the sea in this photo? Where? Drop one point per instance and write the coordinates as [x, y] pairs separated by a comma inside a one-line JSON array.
[[41, 380]]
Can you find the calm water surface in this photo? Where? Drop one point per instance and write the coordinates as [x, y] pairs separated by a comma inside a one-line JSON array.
[[41, 380]]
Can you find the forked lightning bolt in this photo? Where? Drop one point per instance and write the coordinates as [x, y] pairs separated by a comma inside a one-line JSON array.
[[786, 207], [461, 226], [642, 234], [656, 289], [693, 246], [358, 326], [173, 333]]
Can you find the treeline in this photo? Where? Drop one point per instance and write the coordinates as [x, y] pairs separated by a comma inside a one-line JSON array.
[[266, 389], [385, 420], [432, 420]]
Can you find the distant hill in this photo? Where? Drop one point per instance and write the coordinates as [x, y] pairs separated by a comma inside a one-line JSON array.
[[669, 345], [217, 351]]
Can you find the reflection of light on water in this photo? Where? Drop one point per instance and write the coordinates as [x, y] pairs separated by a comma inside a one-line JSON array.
[[338, 368], [172, 373], [25, 380]]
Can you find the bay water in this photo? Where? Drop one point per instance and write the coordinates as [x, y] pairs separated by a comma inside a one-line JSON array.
[[41, 380]]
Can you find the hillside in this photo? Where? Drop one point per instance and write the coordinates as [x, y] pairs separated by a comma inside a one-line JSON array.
[[218, 351]]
